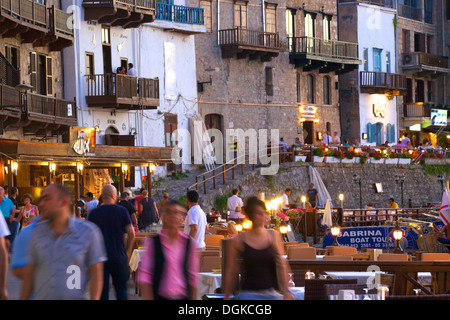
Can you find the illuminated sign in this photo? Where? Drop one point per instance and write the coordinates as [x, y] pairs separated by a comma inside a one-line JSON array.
[[438, 117]]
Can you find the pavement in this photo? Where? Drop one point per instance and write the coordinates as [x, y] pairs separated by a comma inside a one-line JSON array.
[[14, 284]]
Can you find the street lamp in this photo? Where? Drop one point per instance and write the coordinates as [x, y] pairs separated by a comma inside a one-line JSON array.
[[341, 198], [401, 180], [335, 230], [357, 179], [284, 230], [397, 233]]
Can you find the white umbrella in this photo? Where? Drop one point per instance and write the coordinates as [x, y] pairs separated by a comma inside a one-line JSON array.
[[327, 220]]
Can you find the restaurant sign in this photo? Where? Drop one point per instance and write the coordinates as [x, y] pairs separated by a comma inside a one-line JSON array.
[[83, 141], [372, 238]]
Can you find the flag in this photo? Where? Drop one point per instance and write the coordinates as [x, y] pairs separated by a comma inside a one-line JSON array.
[[444, 212]]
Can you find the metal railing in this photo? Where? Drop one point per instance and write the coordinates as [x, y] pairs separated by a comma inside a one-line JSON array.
[[180, 14], [322, 47], [383, 80], [133, 5], [384, 3], [246, 37], [418, 109]]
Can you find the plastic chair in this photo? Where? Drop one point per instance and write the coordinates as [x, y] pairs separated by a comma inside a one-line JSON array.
[[339, 251], [301, 253], [338, 258], [435, 257], [213, 240]]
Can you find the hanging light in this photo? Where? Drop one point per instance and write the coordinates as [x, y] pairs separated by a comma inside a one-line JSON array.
[[124, 168], [52, 168], [152, 166], [14, 167]]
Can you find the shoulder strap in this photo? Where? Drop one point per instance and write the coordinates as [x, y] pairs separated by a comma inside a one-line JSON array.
[[158, 265]]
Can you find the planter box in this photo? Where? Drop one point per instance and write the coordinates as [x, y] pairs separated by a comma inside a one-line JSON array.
[[391, 161], [404, 161], [318, 159], [302, 158], [332, 160], [345, 160], [435, 161], [372, 160]]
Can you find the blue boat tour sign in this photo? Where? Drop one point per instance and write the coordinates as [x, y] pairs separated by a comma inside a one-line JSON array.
[[372, 238]]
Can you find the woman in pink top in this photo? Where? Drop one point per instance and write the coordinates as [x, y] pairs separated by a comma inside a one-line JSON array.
[[29, 211], [169, 267]]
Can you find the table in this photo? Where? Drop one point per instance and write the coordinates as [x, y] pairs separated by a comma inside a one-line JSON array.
[[362, 277], [136, 257], [208, 282]]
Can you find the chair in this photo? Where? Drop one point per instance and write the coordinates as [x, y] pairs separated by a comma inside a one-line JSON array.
[[287, 245], [393, 257], [301, 253], [333, 289], [209, 263], [338, 258], [315, 288], [435, 257], [213, 240], [339, 251]]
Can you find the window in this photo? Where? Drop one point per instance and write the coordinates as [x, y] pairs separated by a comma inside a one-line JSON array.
[[388, 62], [106, 48], [406, 41], [310, 21], [326, 21], [366, 59], [448, 10], [269, 81], [106, 35], [377, 59], [428, 4], [326, 90], [207, 14], [429, 40], [90, 65], [240, 15], [271, 18], [310, 88], [12, 55], [290, 26], [41, 74]]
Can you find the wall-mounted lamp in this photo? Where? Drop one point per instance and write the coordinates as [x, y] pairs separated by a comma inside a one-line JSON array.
[[152, 166], [80, 167], [124, 168], [304, 6], [52, 168], [200, 84], [322, 9], [364, 136], [14, 167]]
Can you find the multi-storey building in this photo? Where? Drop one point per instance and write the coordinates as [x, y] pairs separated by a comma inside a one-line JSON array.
[[272, 65], [422, 55], [369, 95]]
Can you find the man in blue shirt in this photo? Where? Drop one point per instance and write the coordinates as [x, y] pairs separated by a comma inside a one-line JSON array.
[[113, 221], [8, 210]]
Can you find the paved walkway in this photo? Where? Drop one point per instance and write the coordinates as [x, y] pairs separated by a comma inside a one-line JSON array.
[[14, 284]]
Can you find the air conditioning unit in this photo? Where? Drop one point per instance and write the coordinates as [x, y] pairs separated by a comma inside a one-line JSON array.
[[407, 58]]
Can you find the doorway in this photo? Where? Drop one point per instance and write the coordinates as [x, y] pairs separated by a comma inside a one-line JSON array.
[[308, 132]]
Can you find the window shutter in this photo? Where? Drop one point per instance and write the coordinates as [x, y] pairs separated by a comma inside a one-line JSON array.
[[392, 134], [33, 70], [371, 132], [49, 75]]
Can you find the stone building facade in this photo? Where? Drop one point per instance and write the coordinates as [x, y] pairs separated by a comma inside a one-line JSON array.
[[259, 86]]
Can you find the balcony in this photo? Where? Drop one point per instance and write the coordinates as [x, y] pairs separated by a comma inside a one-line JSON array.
[[124, 13], [382, 83], [424, 64], [61, 35], [325, 55], [25, 18], [179, 18], [416, 110], [383, 3], [409, 12], [35, 113], [122, 92], [244, 43]]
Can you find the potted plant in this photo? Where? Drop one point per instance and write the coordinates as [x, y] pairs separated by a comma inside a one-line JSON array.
[[363, 157], [404, 158], [330, 156], [349, 157], [319, 153], [376, 157]]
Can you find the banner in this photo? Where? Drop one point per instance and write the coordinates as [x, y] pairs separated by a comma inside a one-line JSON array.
[[444, 212], [372, 238]]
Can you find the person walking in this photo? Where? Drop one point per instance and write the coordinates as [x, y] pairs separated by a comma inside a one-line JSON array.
[[113, 221], [313, 195], [164, 200], [8, 211], [265, 273], [195, 222], [16, 217], [4, 232], [125, 202], [148, 212], [65, 254], [91, 203], [169, 266]]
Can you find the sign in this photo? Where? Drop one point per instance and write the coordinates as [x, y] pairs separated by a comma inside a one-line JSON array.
[[371, 237], [308, 112], [82, 141], [438, 117], [379, 109]]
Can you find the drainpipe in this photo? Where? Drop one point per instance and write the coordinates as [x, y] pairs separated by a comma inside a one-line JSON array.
[[77, 53], [263, 15], [443, 53], [218, 22]]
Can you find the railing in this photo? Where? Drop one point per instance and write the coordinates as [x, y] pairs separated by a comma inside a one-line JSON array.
[[416, 110], [322, 47], [180, 14], [423, 58], [384, 3], [122, 86], [26, 10], [133, 5], [9, 75], [409, 12], [59, 22], [50, 108], [245, 37], [9, 96], [383, 80]]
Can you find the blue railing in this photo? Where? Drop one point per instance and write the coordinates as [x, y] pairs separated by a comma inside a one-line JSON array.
[[181, 14]]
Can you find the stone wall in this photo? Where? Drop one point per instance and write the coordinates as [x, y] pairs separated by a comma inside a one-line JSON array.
[[419, 187]]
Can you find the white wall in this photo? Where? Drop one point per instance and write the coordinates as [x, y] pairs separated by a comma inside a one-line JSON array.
[[376, 30]]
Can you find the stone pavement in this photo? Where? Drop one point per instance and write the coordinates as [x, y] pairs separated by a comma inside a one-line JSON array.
[[14, 284]]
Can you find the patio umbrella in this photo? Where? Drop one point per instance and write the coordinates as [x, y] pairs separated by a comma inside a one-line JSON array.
[[327, 220]]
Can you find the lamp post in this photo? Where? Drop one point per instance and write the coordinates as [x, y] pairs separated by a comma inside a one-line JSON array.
[[335, 230], [341, 198], [284, 230], [401, 180], [357, 179], [397, 233], [303, 199]]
